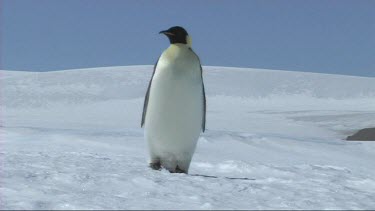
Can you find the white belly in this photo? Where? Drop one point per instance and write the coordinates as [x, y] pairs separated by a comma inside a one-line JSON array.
[[174, 114]]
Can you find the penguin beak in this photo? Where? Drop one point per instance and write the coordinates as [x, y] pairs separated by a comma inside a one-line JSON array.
[[166, 32]]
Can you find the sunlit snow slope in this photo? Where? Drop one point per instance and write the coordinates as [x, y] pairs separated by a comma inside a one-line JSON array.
[[72, 140]]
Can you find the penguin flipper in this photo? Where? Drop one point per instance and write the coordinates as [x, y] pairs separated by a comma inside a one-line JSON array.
[[204, 104], [147, 96], [203, 92]]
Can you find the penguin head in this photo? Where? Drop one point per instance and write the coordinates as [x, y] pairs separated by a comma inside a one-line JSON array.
[[177, 34]]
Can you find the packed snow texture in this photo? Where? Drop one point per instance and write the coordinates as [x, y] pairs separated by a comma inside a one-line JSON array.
[[72, 140]]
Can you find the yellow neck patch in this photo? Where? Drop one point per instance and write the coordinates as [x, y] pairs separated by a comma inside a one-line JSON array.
[[188, 41]]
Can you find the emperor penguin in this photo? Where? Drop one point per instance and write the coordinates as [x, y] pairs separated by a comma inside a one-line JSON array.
[[174, 111]]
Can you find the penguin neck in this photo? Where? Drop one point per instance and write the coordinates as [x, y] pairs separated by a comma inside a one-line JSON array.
[[175, 51], [179, 45]]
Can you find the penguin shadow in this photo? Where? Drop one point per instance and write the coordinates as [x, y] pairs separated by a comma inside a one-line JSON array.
[[157, 166], [216, 177]]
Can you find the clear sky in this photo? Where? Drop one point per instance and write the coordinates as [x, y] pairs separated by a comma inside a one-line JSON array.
[[329, 36]]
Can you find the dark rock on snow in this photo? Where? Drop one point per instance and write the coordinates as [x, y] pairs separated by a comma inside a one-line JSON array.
[[367, 134]]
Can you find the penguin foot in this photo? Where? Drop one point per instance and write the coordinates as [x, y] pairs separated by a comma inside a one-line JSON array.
[[155, 166], [178, 170]]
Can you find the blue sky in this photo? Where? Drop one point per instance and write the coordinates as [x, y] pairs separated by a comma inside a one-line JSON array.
[[328, 36]]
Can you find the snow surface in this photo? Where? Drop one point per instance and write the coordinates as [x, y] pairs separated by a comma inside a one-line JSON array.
[[72, 140]]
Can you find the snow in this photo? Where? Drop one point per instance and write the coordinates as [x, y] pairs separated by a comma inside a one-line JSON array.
[[72, 140]]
